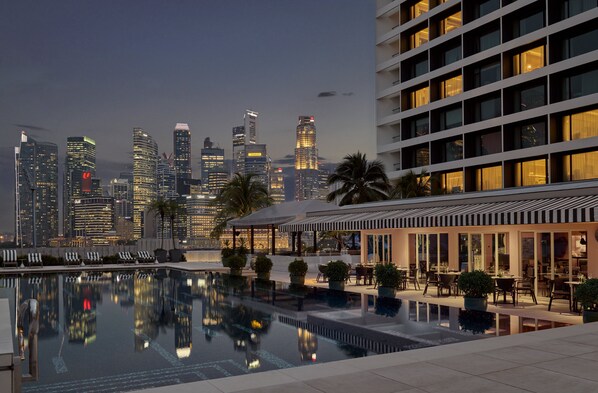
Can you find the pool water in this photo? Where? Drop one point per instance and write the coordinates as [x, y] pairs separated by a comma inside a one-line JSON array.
[[120, 331]]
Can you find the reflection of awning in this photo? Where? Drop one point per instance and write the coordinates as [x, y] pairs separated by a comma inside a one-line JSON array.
[[531, 211]]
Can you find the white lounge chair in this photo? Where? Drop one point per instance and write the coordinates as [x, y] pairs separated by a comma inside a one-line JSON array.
[[34, 259], [71, 259], [126, 257], [9, 258], [146, 257], [94, 258]]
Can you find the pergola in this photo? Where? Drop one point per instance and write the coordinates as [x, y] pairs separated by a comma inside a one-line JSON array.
[[272, 216]]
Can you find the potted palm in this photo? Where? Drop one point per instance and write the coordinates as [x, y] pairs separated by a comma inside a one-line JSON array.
[[389, 279], [263, 266], [160, 208], [225, 253], [337, 273], [476, 286], [236, 263], [172, 210], [587, 294], [297, 271]]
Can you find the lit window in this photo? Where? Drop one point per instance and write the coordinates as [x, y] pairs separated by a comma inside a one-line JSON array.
[[489, 178], [420, 97], [418, 38], [528, 61], [581, 166], [530, 173], [450, 23], [418, 9], [451, 87], [580, 125], [452, 182]]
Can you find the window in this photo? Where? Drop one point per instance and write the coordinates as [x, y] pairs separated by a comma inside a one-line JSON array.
[[573, 7], [484, 7], [416, 126], [418, 9], [525, 135], [451, 55], [419, 97], [451, 150], [486, 74], [483, 143], [529, 60], [416, 156], [450, 118], [530, 173], [579, 85], [528, 24], [580, 125], [580, 44], [450, 23], [580, 166], [418, 38], [422, 156], [415, 67], [487, 40], [451, 86], [529, 98], [488, 178], [487, 108], [451, 182]]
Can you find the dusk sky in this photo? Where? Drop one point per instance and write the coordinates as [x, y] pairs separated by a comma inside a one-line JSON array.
[[73, 68]]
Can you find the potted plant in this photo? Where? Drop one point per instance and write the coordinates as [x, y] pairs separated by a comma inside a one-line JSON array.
[[236, 263], [337, 273], [297, 271], [225, 253], [172, 211], [587, 294], [475, 321], [161, 255], [389, 279], [263, 266], [476, 286]]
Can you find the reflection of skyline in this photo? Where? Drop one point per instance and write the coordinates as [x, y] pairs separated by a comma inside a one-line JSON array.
[[183, 323], [307, 344], [80, 303], [45, 290]]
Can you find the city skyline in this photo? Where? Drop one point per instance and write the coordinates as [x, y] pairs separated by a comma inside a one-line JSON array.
[[73, 89]]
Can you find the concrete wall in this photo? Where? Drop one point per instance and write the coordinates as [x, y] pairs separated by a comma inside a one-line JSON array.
[[281, 262]]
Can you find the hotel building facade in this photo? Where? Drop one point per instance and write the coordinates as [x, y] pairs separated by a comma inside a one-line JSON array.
[[496, 101]]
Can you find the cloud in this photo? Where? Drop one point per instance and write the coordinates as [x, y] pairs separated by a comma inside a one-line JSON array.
[[31, 127], [289, 159], [327, 94], [348, 94]]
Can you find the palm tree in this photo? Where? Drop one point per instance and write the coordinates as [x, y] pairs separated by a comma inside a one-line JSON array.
[[360, 181], [160, 208], [412, 185], [172, 211], [241, 196]]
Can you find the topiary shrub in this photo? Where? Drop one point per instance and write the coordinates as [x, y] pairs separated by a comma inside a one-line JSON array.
[[298, 267], [236, 263], [337, 271], [476, 284], [388, 276], [262, 264], [587, 294]]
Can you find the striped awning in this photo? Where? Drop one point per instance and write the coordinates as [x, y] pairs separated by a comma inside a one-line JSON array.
[[534, 211]]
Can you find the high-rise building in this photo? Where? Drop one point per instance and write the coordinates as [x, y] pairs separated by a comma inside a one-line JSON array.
[[36, 168], [201, 213], [306, 160], [94, 219], [167, 179], [242, 136], [213, 172], [79, 170], [257, 162], [487, 95], [145, 161], [122, 192], [277, 185], [182, 154]]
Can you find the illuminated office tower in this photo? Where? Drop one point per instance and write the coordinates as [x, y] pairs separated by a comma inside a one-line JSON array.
[[122, 192], [306, 160], [145, 161], [79, 170], [277, 185], [242, 136], [94, 219], [213, 172], [257, 162], [36, 166], [488, 95], [166, 177], [182, 155]]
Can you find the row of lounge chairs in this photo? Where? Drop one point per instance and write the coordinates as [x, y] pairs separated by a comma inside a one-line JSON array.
[[72, 258]]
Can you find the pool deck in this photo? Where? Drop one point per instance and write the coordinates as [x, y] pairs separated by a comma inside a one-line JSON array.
[[555, 360]]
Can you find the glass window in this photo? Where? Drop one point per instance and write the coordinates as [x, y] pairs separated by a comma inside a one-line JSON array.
[[420, 68], [487, 109], [418, 9], [528, 24], [451, 55], [485, 7], [486, 74], [451, 182], [485, 143], [488, 178], [422, 156], [418, 38], [529, 98], [574, 7], [488, 40], [451, 87], [581, 84], [581, 166], [528, 61], [419, 97], [580, 44], [530, 173], [580, 125], [379, 248], [454, 150], [450, 23], [450, 118], [420, 126], [529, 135]]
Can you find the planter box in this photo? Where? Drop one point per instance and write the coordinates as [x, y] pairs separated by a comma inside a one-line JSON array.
[[297, 280], [386, 292], [336, 285], [475, 303]]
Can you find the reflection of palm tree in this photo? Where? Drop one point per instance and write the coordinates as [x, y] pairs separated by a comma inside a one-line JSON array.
[[360, 180], [412, 185]]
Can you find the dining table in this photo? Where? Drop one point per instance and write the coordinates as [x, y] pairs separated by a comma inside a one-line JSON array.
[[503, 284], [572, 286]]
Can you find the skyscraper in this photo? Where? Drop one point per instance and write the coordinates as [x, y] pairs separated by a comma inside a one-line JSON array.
[[257, 162], [145, 161], [94, 218], [213, 171], [277, 185], [306, 160], [242, 136], [79, 170], [121, 191], [166, 177], [36, 167], [182, 154]]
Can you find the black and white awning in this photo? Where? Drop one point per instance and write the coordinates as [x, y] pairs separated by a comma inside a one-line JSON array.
[[534, 211]]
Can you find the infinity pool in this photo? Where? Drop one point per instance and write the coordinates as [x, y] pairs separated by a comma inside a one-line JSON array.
[[120, 331]]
